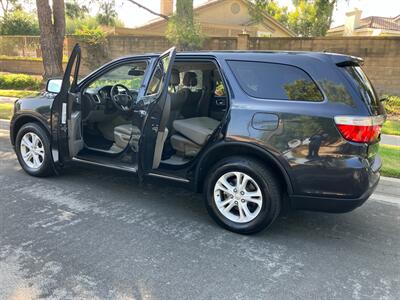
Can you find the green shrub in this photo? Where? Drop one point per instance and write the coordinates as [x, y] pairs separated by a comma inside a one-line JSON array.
[[19, 22], [95, 46], [19, 82], [392, 105]]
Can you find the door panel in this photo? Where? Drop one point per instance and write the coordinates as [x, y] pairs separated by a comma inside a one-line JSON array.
[[154, 128], [66, 113]]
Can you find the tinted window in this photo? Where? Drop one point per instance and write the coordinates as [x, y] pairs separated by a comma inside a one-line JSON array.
[[364, 86], [275, 81]]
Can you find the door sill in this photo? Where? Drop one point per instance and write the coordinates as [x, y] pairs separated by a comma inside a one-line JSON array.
[[132, 169], [169, 177]]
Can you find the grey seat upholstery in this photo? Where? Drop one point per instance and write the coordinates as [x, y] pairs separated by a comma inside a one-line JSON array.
[[184, 146], [193, 133], [191, 105], [178, 98], [123, 133]]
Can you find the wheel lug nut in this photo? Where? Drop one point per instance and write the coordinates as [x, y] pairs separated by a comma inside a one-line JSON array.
[[235, 190], [236, 202], [231, 197], [242, 193], [243, 200]]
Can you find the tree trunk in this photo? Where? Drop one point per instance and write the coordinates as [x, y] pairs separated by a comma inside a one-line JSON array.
[[52, 30]]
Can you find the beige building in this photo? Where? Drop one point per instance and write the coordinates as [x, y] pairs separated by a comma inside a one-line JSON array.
[[217, 18], [370, 26]]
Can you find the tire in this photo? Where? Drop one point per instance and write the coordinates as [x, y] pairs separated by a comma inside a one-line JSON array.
[[261, 186], [39, 162]]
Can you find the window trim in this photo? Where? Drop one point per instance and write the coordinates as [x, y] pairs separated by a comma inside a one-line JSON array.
[[324, 98], [94, 75], [88, 83]]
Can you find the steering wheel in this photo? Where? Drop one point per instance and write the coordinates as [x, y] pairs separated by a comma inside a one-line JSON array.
[[122, 101]]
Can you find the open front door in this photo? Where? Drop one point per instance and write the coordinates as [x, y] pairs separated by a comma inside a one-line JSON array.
[[66, 120], [155, 132]]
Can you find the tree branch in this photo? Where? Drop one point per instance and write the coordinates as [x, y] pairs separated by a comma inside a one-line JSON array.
[[149, 10]]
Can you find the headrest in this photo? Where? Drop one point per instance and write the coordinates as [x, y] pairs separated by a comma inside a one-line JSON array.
[[175, 78], [190, 79]]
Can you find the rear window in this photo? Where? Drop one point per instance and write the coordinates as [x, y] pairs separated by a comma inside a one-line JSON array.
[[363, 86], [275, 81]]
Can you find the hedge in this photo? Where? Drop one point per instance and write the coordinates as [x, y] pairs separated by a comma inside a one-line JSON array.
[[19, 82]]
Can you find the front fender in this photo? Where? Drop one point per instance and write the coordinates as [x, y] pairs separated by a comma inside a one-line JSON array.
[[31, 109]]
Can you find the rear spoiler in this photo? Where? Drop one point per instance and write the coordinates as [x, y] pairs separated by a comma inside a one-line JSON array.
[[348, 61]]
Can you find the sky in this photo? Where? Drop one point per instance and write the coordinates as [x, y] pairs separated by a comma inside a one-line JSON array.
[[134, 16]]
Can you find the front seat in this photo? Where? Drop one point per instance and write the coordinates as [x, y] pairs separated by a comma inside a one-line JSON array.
[[193, 133]]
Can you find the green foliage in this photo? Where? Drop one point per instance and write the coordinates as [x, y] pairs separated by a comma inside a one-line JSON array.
[[19, 22], [107, 14], [182, 30], [392, 105], [391, 162], [91, 36], [75, 11], [19, 82], [280, 13], [73, 25], [309, 17], [94, 41]]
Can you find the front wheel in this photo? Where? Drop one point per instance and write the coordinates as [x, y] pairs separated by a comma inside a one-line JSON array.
[[242, 195], [32, 147]]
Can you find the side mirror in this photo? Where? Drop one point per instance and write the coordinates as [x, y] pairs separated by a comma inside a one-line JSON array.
[[53, 86]]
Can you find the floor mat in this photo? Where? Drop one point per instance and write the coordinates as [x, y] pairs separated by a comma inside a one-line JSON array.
[[97, 141]]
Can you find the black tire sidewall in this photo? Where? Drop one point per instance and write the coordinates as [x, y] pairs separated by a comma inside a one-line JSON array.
[[47, 167], [271, 196]]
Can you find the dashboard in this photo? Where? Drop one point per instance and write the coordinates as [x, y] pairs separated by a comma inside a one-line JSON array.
[[98, 100]]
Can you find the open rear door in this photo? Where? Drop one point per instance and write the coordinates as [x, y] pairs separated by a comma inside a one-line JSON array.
[[154, 129], [66, 120]]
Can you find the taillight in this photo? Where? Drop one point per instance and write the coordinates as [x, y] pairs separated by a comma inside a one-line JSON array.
[[360, 129]]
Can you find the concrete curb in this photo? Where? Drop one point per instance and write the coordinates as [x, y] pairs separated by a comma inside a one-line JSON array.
[[393, 140], [390, 179]]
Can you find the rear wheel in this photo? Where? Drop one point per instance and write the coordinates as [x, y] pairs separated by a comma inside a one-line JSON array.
[[32, 146], [242, 195]]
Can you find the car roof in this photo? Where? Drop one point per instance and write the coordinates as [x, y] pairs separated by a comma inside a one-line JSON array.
[[263, 55]]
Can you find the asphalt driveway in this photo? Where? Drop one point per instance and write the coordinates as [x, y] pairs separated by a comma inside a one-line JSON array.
[[94, 233]]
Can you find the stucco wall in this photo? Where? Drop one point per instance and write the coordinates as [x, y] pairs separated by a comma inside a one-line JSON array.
[[381, 54]]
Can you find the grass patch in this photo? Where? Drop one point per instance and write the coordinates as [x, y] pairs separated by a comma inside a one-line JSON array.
[[17, 93], [6, 110], [391, 127], [391, 160]]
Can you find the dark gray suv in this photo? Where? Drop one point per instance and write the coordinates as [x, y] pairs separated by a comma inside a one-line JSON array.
[[254, 131]]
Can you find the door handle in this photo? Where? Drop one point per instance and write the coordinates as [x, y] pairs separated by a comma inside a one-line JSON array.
[[220, 102]]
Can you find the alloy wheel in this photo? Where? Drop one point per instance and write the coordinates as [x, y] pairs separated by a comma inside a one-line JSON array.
[[32, 150], [238, 197]]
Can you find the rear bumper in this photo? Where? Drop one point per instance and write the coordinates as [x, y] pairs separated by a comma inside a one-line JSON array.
[[332, 205], [341, 203]]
